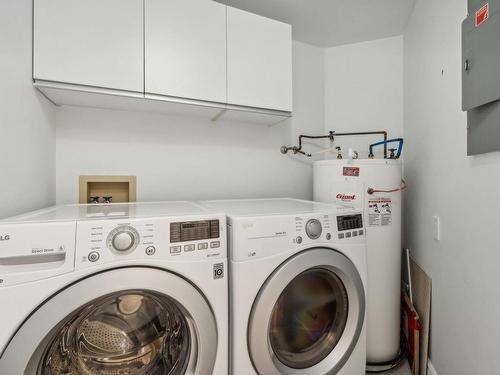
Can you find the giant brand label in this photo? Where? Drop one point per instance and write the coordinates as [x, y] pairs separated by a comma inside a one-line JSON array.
[[346, 197]]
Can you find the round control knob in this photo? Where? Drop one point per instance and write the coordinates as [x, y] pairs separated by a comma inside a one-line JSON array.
[[314, 229], [123, 239]]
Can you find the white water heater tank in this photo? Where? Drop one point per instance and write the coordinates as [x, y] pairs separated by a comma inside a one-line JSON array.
[[348, 181]]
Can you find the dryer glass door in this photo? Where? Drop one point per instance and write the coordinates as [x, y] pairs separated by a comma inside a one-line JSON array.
[[308, 315], [309, 318]]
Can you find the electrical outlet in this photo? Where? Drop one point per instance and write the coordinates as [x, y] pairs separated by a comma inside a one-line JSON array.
[[436, 225]]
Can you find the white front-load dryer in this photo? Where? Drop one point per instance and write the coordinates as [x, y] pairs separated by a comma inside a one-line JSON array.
[[297, 287], [114, 289]]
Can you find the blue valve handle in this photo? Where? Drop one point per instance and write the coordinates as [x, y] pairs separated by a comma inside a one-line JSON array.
[[400, 145]]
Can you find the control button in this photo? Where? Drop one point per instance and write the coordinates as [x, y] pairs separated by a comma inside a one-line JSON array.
[[203, 246], [299, 240], [341, 236], [94, 256], [215, 244], [314, 229], [355, 234], [150, 250], [328, 236], [175, 249], [361, 232], [348, 235], [123, 239], [191, 247]]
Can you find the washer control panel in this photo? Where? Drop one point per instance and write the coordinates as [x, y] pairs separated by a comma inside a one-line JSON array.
[[175, 239], [194, 230]]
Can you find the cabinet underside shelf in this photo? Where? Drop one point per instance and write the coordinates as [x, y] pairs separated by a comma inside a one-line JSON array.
[[97, 97]]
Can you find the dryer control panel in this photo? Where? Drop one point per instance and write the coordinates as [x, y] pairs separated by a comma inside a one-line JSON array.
[[330, 227], [260, 237], [350, 226]]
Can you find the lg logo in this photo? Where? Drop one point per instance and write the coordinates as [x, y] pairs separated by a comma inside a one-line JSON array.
[[5, 238]]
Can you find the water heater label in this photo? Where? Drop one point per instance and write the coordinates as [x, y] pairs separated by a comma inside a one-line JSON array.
[[380, 212], [482, 14], [351, 171]]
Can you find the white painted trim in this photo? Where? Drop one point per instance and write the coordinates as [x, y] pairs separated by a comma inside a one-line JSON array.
[[430, 368]]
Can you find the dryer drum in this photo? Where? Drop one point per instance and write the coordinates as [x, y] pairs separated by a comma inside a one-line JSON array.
[[309, 318], [127, 333]]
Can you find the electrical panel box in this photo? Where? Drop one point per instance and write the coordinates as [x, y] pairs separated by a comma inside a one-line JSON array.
[[481, 75], [473, 5]]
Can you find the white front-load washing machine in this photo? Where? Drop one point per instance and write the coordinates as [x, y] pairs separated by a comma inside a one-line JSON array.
[[297, 296], [114, 289]]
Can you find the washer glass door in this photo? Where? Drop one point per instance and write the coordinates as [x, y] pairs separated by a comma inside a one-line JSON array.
[[125, 321], [133, 332]]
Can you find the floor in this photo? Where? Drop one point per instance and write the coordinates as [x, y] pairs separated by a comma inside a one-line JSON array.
[[404, 369]]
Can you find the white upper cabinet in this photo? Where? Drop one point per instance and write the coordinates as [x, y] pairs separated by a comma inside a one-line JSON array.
[[185, 54], [259, 61], [201, 54], [90, 42]]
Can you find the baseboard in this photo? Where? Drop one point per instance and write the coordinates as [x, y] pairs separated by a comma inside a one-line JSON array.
[[430, 368]]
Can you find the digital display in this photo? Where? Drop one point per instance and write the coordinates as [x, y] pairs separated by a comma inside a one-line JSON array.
[[349, 222], [194, 230]]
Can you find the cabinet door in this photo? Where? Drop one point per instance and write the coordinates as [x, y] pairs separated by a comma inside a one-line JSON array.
[[186, 49], [259, 59], [90, 42]]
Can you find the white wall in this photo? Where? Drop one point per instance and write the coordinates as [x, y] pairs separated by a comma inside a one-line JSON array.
[[185, 158], [364, 90], [462, 190], [27, 120]]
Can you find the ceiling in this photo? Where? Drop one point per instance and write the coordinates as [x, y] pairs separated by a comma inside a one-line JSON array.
[[329, 23]]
